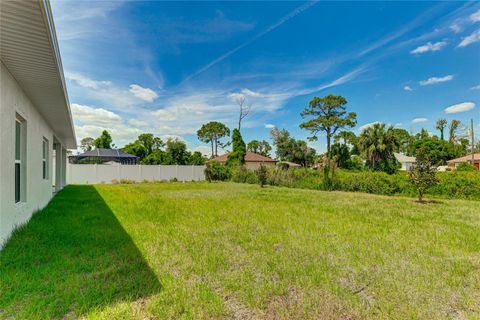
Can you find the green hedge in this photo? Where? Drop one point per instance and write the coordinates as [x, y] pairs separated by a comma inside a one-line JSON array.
[[455, 184]]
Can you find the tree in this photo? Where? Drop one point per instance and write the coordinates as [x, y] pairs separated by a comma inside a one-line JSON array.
[[404, 140], [259, 147], [104, 141], [341, 155], [212, 132], [244, 108], [196, 159], [86, 144], [239, 149], [378, 145], [136, 149], [329, 115], [289, 149], [454, 125], [282, 142], [439, 151], [150, 142], [422, 173], [176, 151], [441, 124]]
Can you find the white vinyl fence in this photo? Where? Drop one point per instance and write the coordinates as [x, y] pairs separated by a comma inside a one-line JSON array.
[[108, 173]]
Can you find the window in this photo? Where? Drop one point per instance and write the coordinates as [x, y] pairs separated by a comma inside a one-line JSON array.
[[20, 152], [45, 154]]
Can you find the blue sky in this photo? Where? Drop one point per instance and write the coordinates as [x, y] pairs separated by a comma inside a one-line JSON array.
[[169, 67]]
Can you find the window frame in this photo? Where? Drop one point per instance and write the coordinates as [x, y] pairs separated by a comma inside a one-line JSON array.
[[45, 159], [20, 180]]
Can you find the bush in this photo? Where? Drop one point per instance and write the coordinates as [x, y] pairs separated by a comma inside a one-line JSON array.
[[455, 184], [243, 175], [215, 171], [262, 174], [465, 166]]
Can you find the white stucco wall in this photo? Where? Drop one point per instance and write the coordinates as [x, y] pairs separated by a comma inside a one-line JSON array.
[[39, 191]]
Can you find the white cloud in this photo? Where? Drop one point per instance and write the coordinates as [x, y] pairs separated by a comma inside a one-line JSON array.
[[475, 87], [368, 125], [435, 80], [437, 46], [474, 37], [460, 107], [93, 116], [419, 120], [269, 126], [407, 88], [475, 17], [207, 151], [137, 123], [144, 94], [121, 134], [84, 81]]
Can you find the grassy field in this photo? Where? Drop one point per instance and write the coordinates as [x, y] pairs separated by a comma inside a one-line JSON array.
[[225, 250]]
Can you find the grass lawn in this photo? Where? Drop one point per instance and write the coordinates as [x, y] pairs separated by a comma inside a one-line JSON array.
[[225, 250]]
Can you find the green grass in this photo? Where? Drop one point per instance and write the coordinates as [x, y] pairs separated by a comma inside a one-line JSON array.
[[225, 250]]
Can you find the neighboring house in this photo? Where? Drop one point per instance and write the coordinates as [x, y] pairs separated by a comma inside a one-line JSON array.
[[35, 117], [405, 161], [453, 164], [252, 160], [104, 156]]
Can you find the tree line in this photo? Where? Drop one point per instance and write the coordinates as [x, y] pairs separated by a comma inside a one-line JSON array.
[[373, 148]]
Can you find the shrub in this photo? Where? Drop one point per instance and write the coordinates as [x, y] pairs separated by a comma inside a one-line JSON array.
[[243, 175], [215, 171], [455, 184], [465, 166], [262, 173]]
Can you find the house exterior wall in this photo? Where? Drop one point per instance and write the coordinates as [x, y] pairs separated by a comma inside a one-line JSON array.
[[406, 166], [38, 191], [251, 165]]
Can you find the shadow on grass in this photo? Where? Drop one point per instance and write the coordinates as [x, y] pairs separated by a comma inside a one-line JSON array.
[[71, 258]]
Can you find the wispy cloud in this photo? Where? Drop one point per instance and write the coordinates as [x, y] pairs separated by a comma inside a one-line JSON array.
[[407, 88], [435, 80], [84, 81], [477, 87], [460, 107], [274, 26], [269, 126], [419, 120], [474, 37], [437, 46], [475, 17]]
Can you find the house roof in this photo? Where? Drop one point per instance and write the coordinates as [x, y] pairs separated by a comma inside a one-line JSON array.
[[467, 158], [29, 50], [403, 158], [249, 157], [105, 153]]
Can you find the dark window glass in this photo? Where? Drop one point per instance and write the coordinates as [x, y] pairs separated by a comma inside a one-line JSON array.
[[17, 182]]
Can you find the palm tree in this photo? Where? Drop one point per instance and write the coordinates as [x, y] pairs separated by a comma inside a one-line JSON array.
[[441, 124], [346, 136], [454, 124], [378, 144]]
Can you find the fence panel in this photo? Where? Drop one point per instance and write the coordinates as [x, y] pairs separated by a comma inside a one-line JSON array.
[[103, 173]]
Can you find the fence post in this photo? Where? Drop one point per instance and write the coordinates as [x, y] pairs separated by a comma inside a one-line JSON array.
[[96, 173], [159, 173], [140, 172]]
